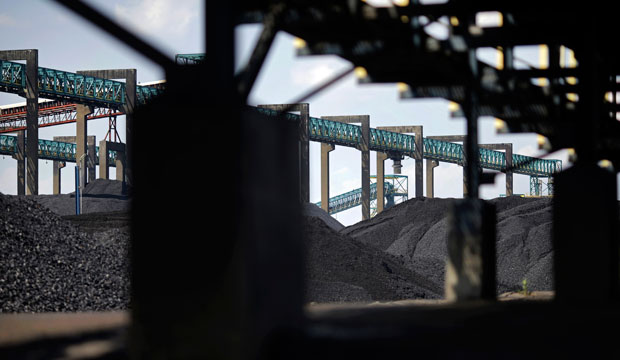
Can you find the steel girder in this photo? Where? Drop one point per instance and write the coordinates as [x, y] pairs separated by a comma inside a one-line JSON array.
[[50, 113], [51, 150], [353, 198], [338, 133], [63, 85]]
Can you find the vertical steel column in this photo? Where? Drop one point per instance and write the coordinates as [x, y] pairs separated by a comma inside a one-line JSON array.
[[325, 150], [364, 148]]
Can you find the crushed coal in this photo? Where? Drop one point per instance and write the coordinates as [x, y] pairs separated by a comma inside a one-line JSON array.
[[416, 231], [48, 264], [54, 260]]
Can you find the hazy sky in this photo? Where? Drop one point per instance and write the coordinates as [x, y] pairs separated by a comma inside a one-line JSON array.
[[69, 43]]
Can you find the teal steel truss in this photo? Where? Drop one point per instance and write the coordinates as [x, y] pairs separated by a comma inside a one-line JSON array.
[[63, 85], [51, 150], [338, 133], [187, 59], [353, 198]]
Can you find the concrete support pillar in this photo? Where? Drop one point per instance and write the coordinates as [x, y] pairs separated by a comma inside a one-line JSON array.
[[381, 157], [91, 164], [20, 156], [364, 147], [509, 172], [130, 77], [304, 144], [104, 171], [430, 177], [508, 154], [325, 150], [88, 171], [120, 167], [57, 166], [119, 148], [419, 161], [32, 115]]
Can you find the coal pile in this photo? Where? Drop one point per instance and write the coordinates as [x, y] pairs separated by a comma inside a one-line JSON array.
[[416, 231], [49, 264], [97, 196], [341, 269], [53, 260]]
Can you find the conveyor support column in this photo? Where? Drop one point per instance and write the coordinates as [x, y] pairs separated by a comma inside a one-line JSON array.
[[32, 117], [325, 150], [364, 147], [381, 157], [21, 163], [129, 75], [430, 177]]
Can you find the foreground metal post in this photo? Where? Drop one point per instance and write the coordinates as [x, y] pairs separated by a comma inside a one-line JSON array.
[[470, 267], [304, 144]]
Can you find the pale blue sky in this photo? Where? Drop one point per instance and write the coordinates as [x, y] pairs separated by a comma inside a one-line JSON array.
[[67, 42]]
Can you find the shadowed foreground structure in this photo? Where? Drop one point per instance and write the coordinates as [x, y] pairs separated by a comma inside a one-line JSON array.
[[197, 295]]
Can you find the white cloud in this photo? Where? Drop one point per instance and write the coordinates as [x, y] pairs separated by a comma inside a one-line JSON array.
[[152, 17]]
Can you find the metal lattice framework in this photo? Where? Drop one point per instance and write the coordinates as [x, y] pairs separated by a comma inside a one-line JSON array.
[[350, 135], [396, 191], [51, 150], [353, 198], [50, 113], [188, 59], [63, 85]]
